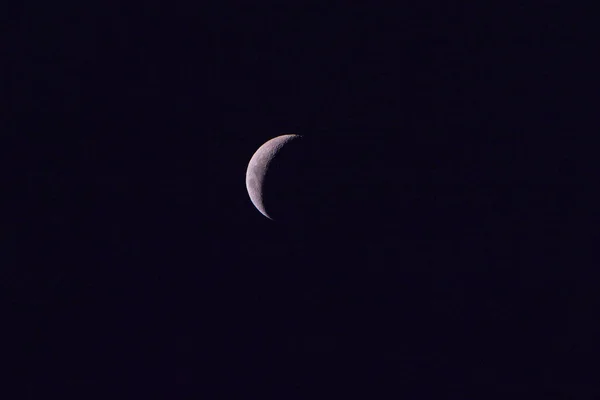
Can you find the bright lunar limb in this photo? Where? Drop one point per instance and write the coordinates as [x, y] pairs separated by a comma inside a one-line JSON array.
[[259, 166]]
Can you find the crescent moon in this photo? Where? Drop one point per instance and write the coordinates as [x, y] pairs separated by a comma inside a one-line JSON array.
[[259, 166]]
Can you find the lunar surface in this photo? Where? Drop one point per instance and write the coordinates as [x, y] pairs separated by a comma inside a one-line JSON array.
[[274, 177], [309, 184]]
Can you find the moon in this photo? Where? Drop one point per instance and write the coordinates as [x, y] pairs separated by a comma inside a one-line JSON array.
[[271, 173]]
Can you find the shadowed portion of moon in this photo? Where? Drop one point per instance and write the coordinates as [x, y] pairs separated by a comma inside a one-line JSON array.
[[288, 179], [301, 181]]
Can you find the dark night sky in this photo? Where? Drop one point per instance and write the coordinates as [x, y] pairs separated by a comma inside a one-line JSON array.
[[133, 257]]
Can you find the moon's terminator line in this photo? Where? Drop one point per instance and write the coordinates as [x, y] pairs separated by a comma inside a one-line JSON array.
[[258, 169]]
